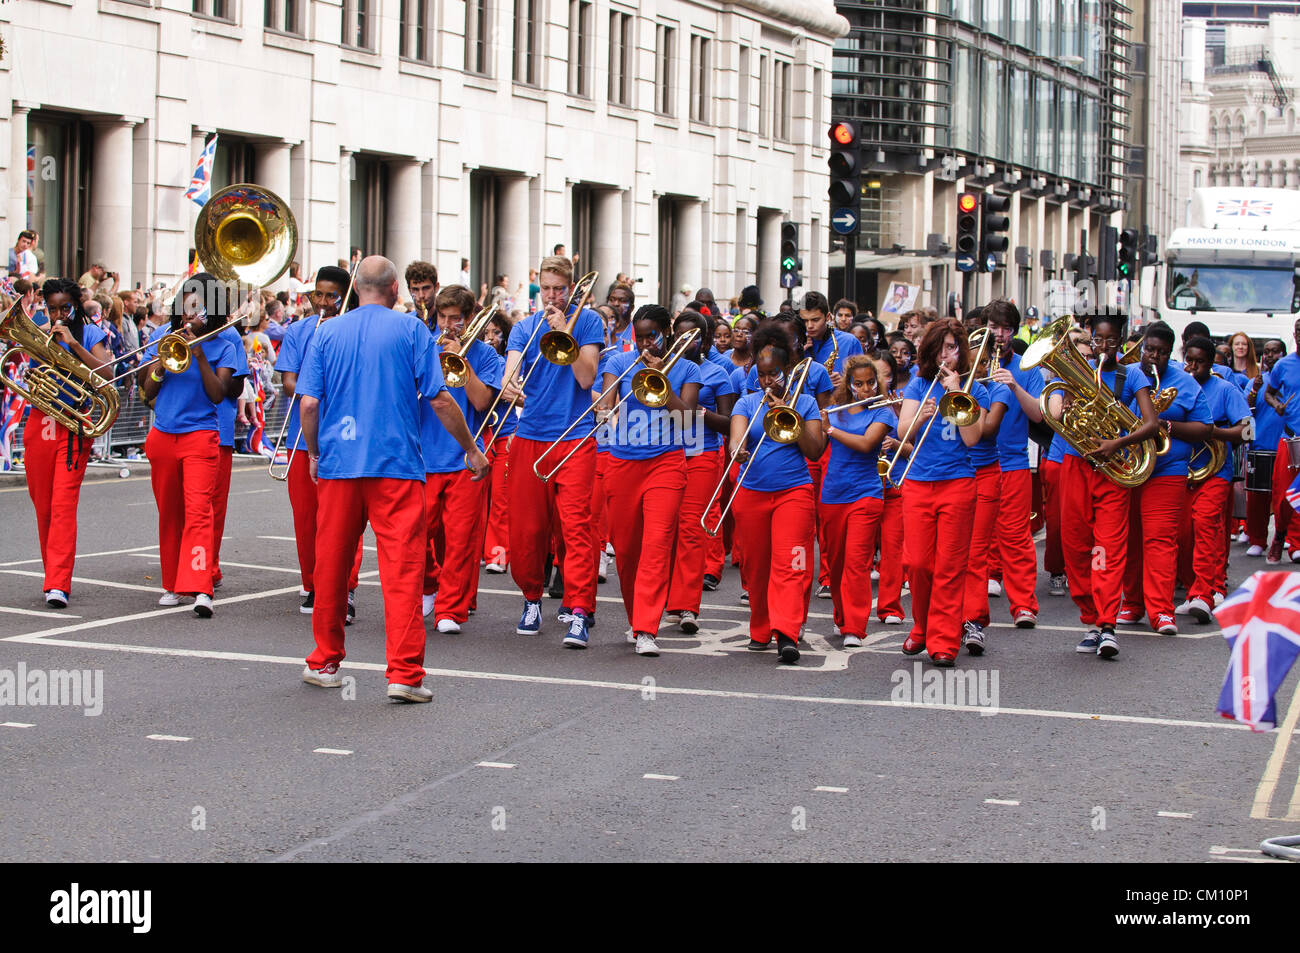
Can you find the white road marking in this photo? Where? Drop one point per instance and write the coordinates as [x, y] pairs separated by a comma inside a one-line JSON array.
[[88, 582], [251, 492], [110, 552], [330, 751], [494, 764], [660, 777], [1183, 815], [38, 612], [15, 724], [168, 738], [1273, 769], [831, 790], [993, 800]]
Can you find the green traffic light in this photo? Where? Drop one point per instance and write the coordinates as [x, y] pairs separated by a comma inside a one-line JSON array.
[[787, 264]]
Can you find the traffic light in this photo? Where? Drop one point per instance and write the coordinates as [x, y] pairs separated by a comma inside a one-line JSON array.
[[790, 263], [1128, 254], [1150, 249], [1107, 246], [968, 239], [845, 165], [992, 224]]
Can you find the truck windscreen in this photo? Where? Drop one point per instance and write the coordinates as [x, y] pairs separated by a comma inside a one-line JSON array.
[[1229, 288]]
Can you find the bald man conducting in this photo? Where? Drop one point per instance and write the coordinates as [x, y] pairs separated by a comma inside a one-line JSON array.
[[360, 389]]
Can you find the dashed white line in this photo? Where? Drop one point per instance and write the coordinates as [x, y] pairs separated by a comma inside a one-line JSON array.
[[15, 724], [1183, 815], [494, 764], [994, 800], [168, 738], [109, 552], [38, 612], [831, 790], [660, 777], [330, 751]]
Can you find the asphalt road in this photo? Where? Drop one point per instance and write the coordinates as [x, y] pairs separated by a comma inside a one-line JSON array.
[[210, 748]]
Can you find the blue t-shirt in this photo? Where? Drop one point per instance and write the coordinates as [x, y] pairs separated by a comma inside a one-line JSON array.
[[1227, 406], [370, 367], [739, 379], [851, 475], [777, 466], [298, 338], [1268, 425], [442, 454], [1189, 405], [714, 383], [1134, 381], [720, 361], [1013, 435], [553, 397], [821, 351], [986, 451], [1286, 378], [817, 383], [1057, 449], [228, 409], [943, 455], [640, 432], [182, 405]]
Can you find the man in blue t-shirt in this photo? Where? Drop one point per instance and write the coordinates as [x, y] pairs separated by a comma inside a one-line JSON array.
[[361, 389]]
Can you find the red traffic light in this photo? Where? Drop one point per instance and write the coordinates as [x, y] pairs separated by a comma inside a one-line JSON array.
[[843, 134], [967, 202]]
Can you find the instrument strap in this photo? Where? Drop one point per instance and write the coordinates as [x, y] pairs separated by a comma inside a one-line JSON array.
[[1121, 374]]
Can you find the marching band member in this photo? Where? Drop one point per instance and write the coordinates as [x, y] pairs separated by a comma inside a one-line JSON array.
[[182, 446], [722, 337], [1268, 431], [938, 493], [453, 498], [776, 512], [361, 387], [1097, 519], [1049, 470], [496, 538], [1014, 541], [620, 299], [1207, 501], [556, 395], [326, 299], [1157, 506], [227, 410], [716, 398], [1283, 386], [422, 285], [903, 351], [818, 384], [889, 543], [646, 475], [852, 498], [54, 458]]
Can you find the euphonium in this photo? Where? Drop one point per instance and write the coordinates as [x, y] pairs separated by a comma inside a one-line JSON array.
[[1093, 414], [1218, 451], [56, 383], [454, 369]]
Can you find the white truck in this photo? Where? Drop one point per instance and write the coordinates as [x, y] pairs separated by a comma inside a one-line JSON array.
[[1236, 266]]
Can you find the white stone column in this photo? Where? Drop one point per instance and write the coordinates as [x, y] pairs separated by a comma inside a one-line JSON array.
[[109, 238], [688, 245], [403, 214], [512, 232], [769, 260], [17, 207], [607, 240], [345, 207]]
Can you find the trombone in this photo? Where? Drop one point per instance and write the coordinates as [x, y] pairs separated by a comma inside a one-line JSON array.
[[782, 423], [559, 347], [454, 369], [288, 414], [880, 400], [581, 292], [649, 385]]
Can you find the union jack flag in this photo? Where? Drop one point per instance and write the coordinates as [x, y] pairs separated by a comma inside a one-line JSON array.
[[31, 172], [13, 408], [200, 189], [1293, 493], [1244, 208], [1261, 622]]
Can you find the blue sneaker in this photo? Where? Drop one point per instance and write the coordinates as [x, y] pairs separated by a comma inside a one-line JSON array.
[[563, 615], [577, 637], [1090, 642], [530, 623]]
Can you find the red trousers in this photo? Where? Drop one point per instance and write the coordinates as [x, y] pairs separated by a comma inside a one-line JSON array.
[[975, 598], [566, 500], [1155, 510], [889, 593], [1014, 541], [776, 532], [817, 470], [599, 507], [220, 502], [691, 550], [1259, 508], [303, 501], [1049, 475], [1284, 527], [183, 470], [1205, 505], [496, 542], [55, 489], [395, 510], [938, 515], [452, 504], [1094, 539], [645, 502], [850, 532]]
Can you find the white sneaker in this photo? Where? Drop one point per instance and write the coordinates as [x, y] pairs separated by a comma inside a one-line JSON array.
[[1198, 609], [835, 629], [495, 568], [409, 693], [169, 599], [56, 598], [852, 642], [427, 602], [995, 588], [603, 572], [893, 620], [448, 626], [1184, 608], [631, 637], [646, 645], [609, 548], [1255, 551], [203, 605], [875, 575], [327, 677], [1242, 537], [1218, 599], [302, 593]]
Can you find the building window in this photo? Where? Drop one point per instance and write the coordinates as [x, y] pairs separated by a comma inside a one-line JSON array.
[[58, 190], [1022, 23], [764, 96], [993, 127], [995, 17], [580, 47], [781, 100], [1067, 157], [414, 35], [368, 198], [527, 68], [217, 9], [358, 31], [476, 36], [284, 16], [701, 79], [665, 52], [816, 117], [742, 91], [234, 161], [1046, 13], [622, 48], [1021, 118], [1045, 123], [1069, 28], [1090, 139]]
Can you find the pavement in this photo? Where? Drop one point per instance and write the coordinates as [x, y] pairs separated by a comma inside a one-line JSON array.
[[209, 747]]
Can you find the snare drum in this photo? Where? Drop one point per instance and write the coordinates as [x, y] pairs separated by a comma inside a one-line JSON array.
[[1293, 452], [1259, 471]]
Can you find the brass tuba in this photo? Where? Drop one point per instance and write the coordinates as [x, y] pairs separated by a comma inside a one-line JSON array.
[[1093, 414], [56, 383], [1218, 451]]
